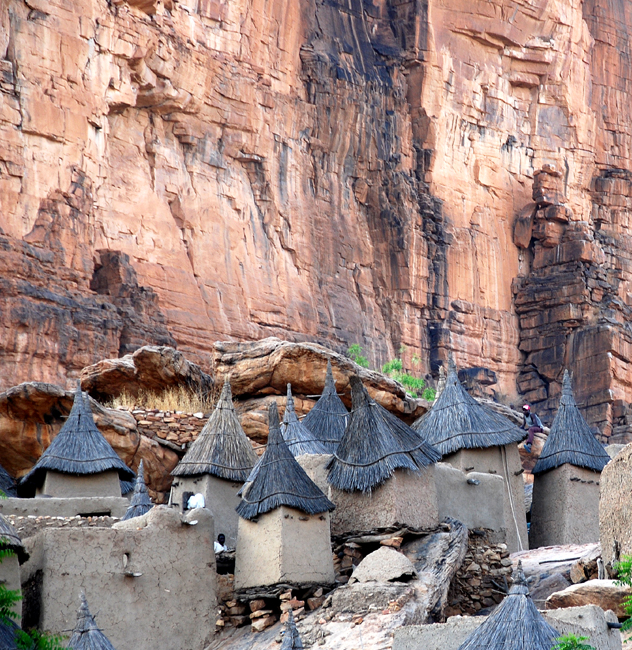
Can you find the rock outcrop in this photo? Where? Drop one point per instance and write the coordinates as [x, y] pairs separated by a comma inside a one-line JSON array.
[[32, 414], [342, 173], [604, 593]]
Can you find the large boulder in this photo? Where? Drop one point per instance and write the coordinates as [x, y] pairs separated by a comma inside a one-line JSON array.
[[266, 367], [615, 507], [604, 593], [384, 565], [32, 414], [150, 368]]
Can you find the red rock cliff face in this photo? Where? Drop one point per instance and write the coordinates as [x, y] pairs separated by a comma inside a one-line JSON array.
[[338, 172]]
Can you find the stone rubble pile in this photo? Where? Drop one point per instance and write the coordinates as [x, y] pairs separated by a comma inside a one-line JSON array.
[[27, 526], [482, 581], [177, 428]]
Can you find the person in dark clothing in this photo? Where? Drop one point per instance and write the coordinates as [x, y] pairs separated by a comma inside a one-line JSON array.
[[532, 424]]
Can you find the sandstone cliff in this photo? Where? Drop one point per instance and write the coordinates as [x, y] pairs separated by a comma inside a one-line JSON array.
[[336, 172]]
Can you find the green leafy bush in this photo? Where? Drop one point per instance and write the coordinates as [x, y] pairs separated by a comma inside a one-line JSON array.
[[355, 353], [624, 575], [415, 386], [572, 642]]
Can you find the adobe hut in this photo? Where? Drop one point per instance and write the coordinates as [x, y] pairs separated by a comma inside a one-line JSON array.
[[515, 624], [284, 534], [298, 438], [327, 419], [473, 438], [140, 503], [10, 565], [216, 466], [86, 635], [79, 462], [380, 476], [565, 507]]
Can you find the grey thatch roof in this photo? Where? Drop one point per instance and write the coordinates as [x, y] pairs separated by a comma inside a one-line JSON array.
[[86, 635], [140, 503], [515, 624], [328, 418], [222, 448], [7, 483], [298, 438], [127, 487], [281, 481], [457, 421], [374, 445], [291, 638], [571, 439], [79, 448], [8, 632], [9, 538]]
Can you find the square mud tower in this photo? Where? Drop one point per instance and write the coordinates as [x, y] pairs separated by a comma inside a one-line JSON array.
[[284, 545], [103, 484], [152, 579], [473, 438], [284, 535], [382, 473], [216, 466], [504, 462], [406, 499], [565, 508], [79, 462], [220, 497]]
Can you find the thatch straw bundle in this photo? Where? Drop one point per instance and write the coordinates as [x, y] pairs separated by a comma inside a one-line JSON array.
[[374, 445], [140, 503], [328, 418], [222, 448], [10, 539], [281, 481], [8, 635], [571, 440], [7, 483], [86, 635], [298, 438], [79, 448], [516, 624], [457, 421], [291, 638]]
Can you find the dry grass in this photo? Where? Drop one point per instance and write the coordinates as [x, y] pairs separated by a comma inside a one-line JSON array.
[[177, 398]]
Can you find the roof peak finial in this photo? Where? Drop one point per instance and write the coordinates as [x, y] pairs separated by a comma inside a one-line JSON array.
[[226, 391], [519, 581], [567, 387]]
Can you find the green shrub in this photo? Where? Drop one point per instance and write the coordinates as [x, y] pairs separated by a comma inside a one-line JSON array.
[[624, 575], [415, 386], [572, 642], [355, 353]]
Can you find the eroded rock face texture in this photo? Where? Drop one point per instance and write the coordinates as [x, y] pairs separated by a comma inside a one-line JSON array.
[[335, 172]]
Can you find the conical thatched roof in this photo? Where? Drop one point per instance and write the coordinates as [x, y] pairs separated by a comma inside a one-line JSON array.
[[222, 448], [8, 635], [9, 538], [86, 635], [298, 438], [328, 418], [79, 448], [291, 638], [7, 483], [570, 440], [374, 445], [140, 503], [515, 624], [457, 421], [281, 481]]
